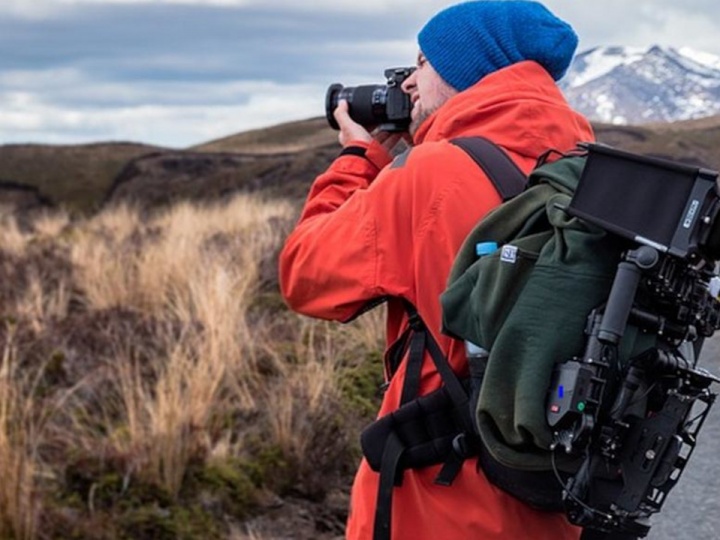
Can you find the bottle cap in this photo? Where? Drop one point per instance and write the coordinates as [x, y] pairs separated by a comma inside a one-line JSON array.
[[485, 248]]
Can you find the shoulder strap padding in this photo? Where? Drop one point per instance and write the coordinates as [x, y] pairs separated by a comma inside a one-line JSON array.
[[502, 171]]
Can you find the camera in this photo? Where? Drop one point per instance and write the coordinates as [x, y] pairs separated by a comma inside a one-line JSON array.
[[384, 106]]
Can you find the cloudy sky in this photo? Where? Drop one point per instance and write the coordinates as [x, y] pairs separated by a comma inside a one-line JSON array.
[[181, 72]]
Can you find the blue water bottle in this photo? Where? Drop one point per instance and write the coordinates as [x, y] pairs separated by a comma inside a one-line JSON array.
[[471, 349], [477, 356]]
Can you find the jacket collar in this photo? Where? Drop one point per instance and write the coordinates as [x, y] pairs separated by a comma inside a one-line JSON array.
[[519, 107]]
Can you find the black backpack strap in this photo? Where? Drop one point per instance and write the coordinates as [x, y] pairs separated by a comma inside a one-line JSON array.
[[421, 341], [418, 343], [502, 171], [390, 476], [430, 434]]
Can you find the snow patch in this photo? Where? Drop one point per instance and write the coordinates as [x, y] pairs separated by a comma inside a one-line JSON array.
[[706, 59], [601, 61]]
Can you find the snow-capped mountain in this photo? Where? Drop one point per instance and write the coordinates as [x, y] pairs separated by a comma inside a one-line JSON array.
[[626, 85]]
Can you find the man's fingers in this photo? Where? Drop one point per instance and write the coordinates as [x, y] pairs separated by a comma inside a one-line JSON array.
[[349, 129], [341, 112]]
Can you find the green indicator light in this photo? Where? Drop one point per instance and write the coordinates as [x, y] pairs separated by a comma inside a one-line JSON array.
[[581, 406]]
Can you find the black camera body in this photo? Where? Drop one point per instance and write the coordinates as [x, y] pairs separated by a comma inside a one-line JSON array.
[[384, 106]]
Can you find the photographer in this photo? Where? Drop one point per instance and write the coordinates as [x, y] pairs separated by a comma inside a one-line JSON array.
[[376, 228]]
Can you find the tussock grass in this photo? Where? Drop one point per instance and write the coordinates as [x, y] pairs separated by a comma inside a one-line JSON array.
[[184, 386], [23, 426], [302, 395], [12, 239], [50, 224], [40, 303], [18, 445], [166, 419]]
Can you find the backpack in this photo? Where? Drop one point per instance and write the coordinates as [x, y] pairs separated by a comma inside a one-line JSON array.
[[527, 303], [531, 304]]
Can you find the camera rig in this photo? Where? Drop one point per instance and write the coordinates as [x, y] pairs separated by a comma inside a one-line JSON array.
[[634, 424]]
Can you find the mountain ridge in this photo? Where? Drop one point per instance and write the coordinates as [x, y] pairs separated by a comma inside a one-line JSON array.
[[635, 86]]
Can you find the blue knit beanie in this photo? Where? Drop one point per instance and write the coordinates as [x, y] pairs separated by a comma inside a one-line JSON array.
[[467, 41]]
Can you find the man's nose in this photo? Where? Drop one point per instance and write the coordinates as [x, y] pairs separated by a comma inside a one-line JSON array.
[[408, 84]]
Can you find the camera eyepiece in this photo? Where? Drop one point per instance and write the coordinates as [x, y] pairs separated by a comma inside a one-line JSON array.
[[384, 106]]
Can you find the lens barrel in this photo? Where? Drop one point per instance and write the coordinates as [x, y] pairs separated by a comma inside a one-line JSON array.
[[367, 105]]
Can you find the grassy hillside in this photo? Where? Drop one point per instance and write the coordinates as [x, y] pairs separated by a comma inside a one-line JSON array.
[[707, 123], [290, 137], [81, 177], [695, 142], [280, 160], [75, 176]]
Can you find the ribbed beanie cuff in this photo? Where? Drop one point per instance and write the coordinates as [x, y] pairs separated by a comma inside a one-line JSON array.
[[467, 41]]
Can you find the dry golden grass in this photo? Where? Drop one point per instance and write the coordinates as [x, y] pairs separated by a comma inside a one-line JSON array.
[[303, 392], [12, 239], [201, 379], [174, 272], [50, 224], [166, 419], [116, 224], [171, 262], [23, 422], [17, 452], [40, 303]]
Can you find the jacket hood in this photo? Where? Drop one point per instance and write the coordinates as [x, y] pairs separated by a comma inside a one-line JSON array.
[[507, 107]]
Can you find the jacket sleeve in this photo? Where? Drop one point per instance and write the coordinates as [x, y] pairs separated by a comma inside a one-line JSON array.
[[331, 262]]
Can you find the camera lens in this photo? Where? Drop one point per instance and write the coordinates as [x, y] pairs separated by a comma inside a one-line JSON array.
[[366, 104], [331, 102]]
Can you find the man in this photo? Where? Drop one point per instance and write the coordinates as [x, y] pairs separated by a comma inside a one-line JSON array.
[[372, 228]]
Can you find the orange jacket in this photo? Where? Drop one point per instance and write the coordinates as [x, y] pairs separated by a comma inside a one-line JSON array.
[[369, 230]]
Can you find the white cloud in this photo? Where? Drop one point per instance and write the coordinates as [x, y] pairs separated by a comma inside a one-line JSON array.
[[27, 116], [692, 23], [86, 70], [44, 8], [336, 5]]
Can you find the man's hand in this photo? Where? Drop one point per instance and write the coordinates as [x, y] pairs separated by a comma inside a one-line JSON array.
[[352, 131], [349, 129]]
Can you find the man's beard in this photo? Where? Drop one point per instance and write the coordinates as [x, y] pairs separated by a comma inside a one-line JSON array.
[[418, 120]]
